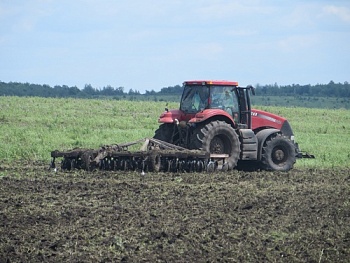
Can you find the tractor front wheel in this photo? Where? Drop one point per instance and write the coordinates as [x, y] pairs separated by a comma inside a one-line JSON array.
[[165, 132], [278, 154]]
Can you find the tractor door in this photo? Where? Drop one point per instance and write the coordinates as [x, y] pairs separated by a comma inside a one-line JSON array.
[[244, 106], [223, 97]]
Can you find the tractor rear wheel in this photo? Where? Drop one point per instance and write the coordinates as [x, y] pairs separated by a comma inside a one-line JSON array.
[[220, 138], [278, 154]]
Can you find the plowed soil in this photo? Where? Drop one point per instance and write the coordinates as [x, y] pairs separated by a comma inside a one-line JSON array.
[[298, 216]]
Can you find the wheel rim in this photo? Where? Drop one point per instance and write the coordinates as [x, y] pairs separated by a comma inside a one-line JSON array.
[[217, 145], [279, 155]]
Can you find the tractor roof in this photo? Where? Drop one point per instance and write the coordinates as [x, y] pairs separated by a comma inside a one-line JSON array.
[[211, 82]]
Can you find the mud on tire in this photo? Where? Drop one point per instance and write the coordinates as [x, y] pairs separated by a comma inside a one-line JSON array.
[[278, 154], [217, 137]]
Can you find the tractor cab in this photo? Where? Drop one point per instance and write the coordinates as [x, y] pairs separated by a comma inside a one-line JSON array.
[[211, 98]]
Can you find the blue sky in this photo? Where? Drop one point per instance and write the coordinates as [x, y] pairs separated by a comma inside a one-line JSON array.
[[150, 44]]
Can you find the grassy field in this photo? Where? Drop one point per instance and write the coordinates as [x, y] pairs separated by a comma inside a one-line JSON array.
[[32, 127]]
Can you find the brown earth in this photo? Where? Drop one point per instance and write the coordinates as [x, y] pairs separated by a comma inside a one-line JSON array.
[[299, 216]]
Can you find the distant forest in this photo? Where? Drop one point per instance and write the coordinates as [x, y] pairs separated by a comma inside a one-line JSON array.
[[336, 90]]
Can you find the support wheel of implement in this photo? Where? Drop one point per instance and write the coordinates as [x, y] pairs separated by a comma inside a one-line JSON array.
[[86, 161], [278, 154], [220, 138], [154, 162], [211, 167]]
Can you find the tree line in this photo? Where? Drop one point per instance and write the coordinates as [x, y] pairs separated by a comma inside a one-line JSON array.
[[331, 89]]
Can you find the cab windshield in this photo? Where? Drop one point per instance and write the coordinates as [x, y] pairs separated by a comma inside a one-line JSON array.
[[194, 98]]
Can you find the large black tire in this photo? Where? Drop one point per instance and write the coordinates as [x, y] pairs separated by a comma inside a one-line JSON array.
[[278, 154], [218, 137], [164, 132]]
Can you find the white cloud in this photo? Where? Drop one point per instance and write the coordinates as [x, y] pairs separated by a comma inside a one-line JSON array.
[[302, 15], [341, 12]]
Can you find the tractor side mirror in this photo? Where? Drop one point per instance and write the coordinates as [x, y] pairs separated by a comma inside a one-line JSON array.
[[251, 88]]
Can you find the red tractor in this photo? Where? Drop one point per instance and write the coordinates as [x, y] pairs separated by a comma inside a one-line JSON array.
[[216, 117], [215, 128]]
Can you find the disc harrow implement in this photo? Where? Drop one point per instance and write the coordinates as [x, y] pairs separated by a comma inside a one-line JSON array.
[[153, 156]]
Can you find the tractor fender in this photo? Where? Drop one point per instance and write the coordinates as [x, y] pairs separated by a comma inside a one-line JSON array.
[[209, 115], [262, 136]]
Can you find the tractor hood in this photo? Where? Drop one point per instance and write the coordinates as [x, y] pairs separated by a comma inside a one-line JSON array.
[[262, 119], [266, 119]]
